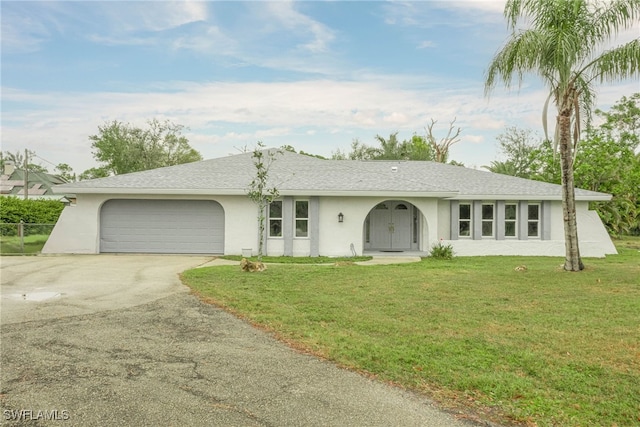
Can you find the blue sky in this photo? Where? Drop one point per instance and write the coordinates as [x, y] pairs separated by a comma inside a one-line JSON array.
[[314, 75]]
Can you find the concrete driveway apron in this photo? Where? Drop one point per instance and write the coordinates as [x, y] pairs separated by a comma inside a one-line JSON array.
[[118, 340]]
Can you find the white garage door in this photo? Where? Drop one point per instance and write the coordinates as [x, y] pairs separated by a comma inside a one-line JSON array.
[[162, 226]]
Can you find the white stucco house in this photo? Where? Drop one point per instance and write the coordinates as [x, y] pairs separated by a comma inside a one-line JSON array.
[[326, 207]]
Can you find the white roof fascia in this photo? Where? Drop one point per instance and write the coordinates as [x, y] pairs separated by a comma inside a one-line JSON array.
[[242, 192], [595, 198], [147, 191], [367, 193]]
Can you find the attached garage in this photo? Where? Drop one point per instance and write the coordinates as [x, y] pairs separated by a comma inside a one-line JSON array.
[[162, 226]]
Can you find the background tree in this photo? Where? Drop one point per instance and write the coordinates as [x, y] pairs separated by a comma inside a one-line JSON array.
[[518, 146], [65, 172], [260, 190], [93, 173], [292, 149], [608, 161], [18, 157], [122, 148], [561, 42], [359, 151], [416, 148], [441, 147]]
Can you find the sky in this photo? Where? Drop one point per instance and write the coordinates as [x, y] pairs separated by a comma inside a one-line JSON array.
[[314, 75]]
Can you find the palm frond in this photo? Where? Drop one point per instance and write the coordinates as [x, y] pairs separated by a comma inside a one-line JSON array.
[[525, 52], [545, 115], [613, 16], [616, 64]]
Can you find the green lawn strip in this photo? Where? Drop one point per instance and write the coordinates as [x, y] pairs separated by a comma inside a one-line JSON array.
[[32, 244], [538, 346], [300, 260]]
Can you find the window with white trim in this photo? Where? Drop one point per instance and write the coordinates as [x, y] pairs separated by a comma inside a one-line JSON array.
[[275, 218], [533, 220], [487, 220], [464, 220], [302, 218], [510, 220]]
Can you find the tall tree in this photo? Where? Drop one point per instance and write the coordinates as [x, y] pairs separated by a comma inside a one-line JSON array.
[[441, 147], [123, 148], [561, 42]]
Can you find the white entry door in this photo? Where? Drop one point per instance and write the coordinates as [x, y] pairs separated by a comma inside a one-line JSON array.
[[390, 226]]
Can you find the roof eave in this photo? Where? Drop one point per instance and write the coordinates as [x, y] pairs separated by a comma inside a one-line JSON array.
[[602, 197], [450, 195], [242, 192]]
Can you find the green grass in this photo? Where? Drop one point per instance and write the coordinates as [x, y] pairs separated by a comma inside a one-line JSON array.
[[300, 260], [539, 347], [32, 244]]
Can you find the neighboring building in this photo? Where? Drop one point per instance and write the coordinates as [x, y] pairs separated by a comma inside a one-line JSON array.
[[39, 185], [326, 207]]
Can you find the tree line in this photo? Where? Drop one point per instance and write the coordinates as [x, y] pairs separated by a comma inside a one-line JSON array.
[[607, 159], [120, 147]]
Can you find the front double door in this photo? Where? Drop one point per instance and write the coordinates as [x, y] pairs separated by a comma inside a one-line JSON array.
[[390, 224]]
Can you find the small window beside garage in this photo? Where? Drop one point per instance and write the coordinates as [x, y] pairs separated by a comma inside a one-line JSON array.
[[510, 219], [275, 219], [464, 221], [302, 218], [533, 222]]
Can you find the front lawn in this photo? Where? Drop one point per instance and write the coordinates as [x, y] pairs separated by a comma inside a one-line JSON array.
[[534, 347], [31, 244]]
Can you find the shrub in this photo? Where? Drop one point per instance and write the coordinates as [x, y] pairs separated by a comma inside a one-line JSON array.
[[441, 251], [14, 209]]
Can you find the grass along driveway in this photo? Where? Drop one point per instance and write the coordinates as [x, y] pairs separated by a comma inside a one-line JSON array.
[[539, 347]]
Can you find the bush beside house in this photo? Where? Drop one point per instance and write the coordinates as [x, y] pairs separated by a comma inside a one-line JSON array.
[[33, 211]]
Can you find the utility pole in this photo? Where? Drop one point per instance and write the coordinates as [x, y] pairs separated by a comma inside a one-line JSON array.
[[26, 174]]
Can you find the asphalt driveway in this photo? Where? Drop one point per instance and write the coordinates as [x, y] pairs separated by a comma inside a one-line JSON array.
[[118, 340]]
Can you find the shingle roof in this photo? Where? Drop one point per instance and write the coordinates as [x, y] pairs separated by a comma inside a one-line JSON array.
[[40, 183], [297, 174]]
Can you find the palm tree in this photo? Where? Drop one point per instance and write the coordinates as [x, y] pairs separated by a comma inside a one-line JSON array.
[[563, 44]]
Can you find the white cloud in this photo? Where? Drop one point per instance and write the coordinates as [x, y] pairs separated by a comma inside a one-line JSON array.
[[472, 139], [395, 118], [285, 13], [319, 115], [133, 16], [426, 44]]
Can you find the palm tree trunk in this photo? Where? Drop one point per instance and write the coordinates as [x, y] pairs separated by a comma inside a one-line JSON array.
[[573, 262]]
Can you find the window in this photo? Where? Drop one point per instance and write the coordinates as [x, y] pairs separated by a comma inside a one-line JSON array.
[[533, 222], [302, 218], [275, 219], [487, 220], [464, 220], [510, 219]]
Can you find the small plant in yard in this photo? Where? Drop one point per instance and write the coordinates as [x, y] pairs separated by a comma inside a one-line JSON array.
[[441, 251]]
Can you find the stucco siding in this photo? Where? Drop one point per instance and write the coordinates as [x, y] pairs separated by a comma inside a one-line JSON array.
[[76, 231], [336, 237], [78, 228], [593, 237], [592, 234]]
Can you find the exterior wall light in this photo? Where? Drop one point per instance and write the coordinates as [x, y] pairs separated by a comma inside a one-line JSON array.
[[340, 217]]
